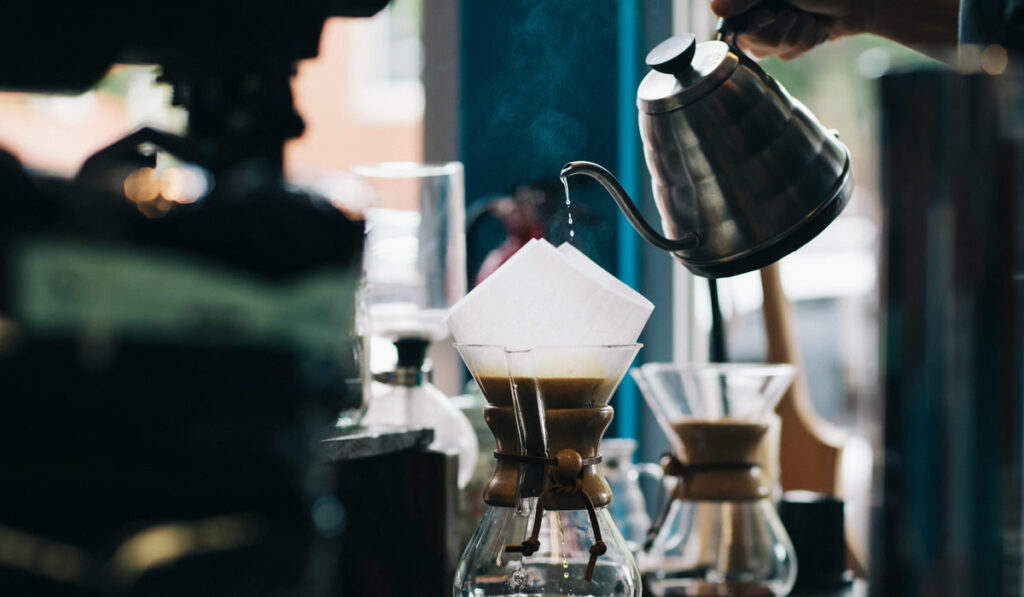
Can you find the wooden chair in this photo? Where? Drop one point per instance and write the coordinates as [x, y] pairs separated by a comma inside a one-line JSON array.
[[811, 450]]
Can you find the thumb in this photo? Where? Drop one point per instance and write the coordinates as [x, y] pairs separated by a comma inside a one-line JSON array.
[[728, 8]]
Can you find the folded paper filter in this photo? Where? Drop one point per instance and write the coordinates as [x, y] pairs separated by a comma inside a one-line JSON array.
[[549, 314], [543, 296]]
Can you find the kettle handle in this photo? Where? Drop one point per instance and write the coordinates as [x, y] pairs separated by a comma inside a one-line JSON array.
[[689, 240], [737, 24]]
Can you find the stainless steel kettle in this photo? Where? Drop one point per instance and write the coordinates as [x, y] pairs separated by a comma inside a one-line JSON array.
[[743, 173]]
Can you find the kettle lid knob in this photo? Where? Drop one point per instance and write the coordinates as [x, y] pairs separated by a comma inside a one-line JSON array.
[[674, 55]]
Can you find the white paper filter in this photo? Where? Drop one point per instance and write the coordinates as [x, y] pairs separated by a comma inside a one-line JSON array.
[[543, 296]]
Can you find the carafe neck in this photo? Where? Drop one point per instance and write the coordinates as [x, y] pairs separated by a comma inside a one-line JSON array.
[[575, 430], [721, 460]]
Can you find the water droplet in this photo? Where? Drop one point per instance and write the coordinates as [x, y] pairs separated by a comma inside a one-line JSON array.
[[561, 537], [568, 207], [517, 575]]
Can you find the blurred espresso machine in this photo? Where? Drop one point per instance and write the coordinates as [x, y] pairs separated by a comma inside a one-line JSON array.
[[950, 516], [169, 360]]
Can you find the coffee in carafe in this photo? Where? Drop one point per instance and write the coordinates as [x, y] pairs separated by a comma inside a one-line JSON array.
[[720, 534], [547, 529]]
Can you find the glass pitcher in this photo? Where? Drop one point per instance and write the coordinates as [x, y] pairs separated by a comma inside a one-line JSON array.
[[721, 534], [547, 529]]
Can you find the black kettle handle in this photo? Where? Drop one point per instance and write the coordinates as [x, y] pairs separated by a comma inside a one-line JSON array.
[[737, 24]]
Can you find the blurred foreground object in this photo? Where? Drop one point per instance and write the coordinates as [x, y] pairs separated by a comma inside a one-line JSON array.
[[66, 46], [951, 513], [176, 324]]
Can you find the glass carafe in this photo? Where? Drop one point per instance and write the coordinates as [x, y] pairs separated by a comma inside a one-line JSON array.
[[629, 508], [721, 534], [412, 401], [547, 530], [415, 255]]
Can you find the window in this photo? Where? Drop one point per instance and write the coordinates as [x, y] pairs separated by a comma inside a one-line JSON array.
[[832, 282], [361, 98]]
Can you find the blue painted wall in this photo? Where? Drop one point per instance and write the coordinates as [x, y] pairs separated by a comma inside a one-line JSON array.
[[538, 89], [544, 83]]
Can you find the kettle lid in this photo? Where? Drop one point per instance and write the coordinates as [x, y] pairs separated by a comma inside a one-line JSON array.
[[683, 72]]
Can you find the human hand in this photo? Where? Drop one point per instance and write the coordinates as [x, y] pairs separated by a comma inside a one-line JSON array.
[[797, 28]]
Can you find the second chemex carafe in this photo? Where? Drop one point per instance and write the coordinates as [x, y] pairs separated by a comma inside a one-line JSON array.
[[720, 534], [547, 529]]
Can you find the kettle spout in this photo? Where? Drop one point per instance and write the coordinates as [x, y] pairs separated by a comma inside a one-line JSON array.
[[689, 240]]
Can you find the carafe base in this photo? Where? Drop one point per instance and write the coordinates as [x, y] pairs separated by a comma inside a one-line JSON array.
[[699, 587]]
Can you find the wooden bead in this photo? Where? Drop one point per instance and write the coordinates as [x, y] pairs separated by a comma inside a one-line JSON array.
[[568, 465]]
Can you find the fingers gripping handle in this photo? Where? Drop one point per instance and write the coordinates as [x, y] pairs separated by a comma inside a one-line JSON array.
[[737, 24]]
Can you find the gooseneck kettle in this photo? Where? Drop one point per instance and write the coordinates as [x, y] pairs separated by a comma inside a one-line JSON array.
[[743, 173]]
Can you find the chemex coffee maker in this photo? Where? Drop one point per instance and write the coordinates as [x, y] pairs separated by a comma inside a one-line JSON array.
[[720, 533], [548, 337], [169, 358]]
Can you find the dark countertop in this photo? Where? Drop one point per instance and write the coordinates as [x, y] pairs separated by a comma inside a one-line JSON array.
[[364, 442]]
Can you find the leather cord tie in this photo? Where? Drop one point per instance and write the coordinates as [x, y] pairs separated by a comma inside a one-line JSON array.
[[673, 467], [565, 477]]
